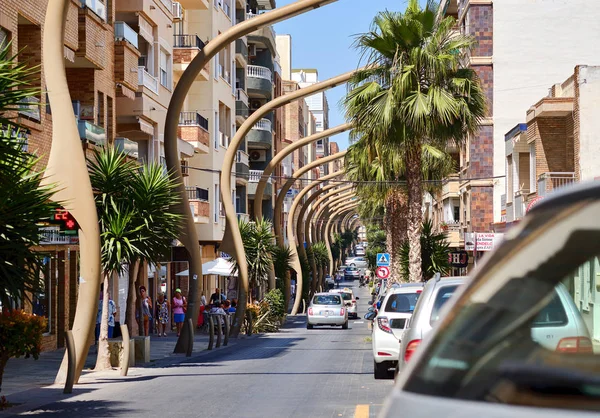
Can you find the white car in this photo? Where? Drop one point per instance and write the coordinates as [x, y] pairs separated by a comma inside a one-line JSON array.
[[358, 262], [349, 300], [327, 309], [359, 251], [388, 327]]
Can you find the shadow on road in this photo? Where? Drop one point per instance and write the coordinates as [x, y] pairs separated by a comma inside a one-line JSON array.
[[82, 409]]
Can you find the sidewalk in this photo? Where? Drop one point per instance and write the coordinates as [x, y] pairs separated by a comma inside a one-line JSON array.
[[23, 374]]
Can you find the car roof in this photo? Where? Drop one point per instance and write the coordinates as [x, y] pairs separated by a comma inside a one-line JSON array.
[[404, 289], [344, 290], [322, 294]]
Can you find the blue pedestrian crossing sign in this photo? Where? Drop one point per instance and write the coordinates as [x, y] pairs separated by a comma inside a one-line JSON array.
[[383, 259]]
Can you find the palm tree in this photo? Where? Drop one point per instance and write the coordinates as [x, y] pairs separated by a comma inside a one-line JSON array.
[[415, 96], [434, 252], [321, 257], [282, 263], [24, 202]]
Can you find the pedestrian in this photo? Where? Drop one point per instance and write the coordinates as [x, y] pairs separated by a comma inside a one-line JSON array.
[[203, 299], [162, 314], [146, 309], [293, 289], [179, 308], [112, 310], [217, 297]]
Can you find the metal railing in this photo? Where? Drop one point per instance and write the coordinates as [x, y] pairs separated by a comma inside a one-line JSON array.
[[250, 16], [197, 193], [187, 41], [52, 235], [263, 125], [548, 182], [259, 72], [191, 118], [124, 32], [147, 80], [255, 176]]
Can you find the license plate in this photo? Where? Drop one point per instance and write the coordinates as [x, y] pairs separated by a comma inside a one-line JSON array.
[[326, 313]]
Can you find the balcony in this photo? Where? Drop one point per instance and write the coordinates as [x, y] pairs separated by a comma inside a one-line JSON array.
[[195, 4], [241, 52], [263, 37], [53, 236], [320, 150], [127, 146], [96, 6], [147, 80], [89, 132], [549, 182], [199, 204], [30, 108], [193, 128], [242, 167], [123, 32], [253, 179], [519, 203], [241, 106], [261, 134], [260, 81], [450, 187], [126, 56], [185, 49], [243, 217], [92, 36]]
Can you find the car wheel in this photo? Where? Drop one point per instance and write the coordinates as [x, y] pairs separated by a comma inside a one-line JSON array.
[[380, 370], [309, 326], [345, 326]]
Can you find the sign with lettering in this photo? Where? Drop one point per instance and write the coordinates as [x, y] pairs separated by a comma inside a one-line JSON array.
[[458, 259]]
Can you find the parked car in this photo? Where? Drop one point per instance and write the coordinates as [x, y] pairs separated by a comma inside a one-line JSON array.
[[510, 342], [396, 309], [327, 309], [329, 281], [359, 250], [359, 262], [351, 273], [349, 300]]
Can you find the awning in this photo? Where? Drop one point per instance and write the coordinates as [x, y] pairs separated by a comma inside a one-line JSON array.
[[219, 267]]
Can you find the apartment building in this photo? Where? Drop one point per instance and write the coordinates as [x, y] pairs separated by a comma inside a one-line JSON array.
[[522, 47], [336, 165]]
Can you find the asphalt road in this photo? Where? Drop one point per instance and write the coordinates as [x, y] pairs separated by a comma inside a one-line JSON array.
[[325, 372]]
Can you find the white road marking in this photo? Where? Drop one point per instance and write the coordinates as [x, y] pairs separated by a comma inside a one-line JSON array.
[[359, 322]]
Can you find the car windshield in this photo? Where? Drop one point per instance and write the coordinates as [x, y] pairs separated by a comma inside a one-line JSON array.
[[327, 300], [401, 302], [525, 330], [347, 296]]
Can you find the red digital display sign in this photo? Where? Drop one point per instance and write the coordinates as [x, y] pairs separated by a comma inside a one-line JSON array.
[[63, 216]]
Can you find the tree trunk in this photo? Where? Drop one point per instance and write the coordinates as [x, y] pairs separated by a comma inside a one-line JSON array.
[[131, 292], [287, 289], [3, 360], [314, 278], [138, 299], [396, 209], [103, 358], [415, 214]]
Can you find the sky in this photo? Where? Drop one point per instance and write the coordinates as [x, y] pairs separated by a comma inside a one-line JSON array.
[[323, 39]]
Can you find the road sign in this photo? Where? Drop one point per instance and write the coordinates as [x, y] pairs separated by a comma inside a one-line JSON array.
[[383, 259], [383, 272]]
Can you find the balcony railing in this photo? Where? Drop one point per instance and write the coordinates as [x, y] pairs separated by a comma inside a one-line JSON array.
[[255, 176], [250, 16], [96, 6], [177, 10], [30, 107], [242, 96], [91, 133], [197, 193], [243, 216], [52, 235], [128, 146], [549, 182], [242, 157], [259, 72], [187, 41], [123, 32], [147, 80], [519, 203], [263, 125], [168, 4], [191, 118]]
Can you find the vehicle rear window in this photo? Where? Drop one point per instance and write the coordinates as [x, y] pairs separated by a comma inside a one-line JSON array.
[[398, 323], [553, 314], [347, 296], [401, 302], [443, 295], [327, 300]]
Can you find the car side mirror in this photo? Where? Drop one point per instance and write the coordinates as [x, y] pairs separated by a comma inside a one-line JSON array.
[[357, 298], [371, 309], [370, 316]]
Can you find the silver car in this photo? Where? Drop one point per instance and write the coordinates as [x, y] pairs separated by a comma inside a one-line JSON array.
[[516, 339], [327, 309]]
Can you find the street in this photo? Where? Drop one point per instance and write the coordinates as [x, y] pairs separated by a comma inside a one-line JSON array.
[[297, 372]]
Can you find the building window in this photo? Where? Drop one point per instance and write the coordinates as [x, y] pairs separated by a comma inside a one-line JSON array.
[[165, 69], [41, 302], [217, 203], [532, 173]]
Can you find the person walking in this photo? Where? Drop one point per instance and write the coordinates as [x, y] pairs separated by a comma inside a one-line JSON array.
[[162, 314], [179, 308], [112, 310], [146, 309]]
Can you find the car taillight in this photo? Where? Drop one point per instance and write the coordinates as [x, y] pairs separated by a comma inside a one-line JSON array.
[[575, 345], [384, 324], [310, 311], [353, 301], [410, 349], [342, 312]]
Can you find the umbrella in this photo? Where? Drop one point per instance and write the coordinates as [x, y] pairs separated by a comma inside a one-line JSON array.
[[220, 267]]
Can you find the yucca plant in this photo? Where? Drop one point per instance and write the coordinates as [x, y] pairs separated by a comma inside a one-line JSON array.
[[434, 253], [282, 263]]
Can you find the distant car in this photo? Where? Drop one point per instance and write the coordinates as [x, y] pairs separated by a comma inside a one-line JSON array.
[[396, 309], [349, 300], [359, 262], [351, 273], [359, 251], [329, 281], [327, 309]]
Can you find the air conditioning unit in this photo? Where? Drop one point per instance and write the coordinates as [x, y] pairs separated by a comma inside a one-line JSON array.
[[177, 10], [255, 104], [257, 155], [252, 50]]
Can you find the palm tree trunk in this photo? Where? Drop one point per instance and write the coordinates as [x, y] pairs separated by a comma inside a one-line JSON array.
[[131, 292], [415, 214], [396, 208], [314, 278], [103, 358]]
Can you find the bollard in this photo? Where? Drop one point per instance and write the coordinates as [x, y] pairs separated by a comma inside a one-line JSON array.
[[190, 347], [125, 347], [219, 330], [71, 361], [227, 328], [211, 332]]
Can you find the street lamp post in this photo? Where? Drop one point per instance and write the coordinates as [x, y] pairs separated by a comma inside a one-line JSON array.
[[189, 236], [74, 189]]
